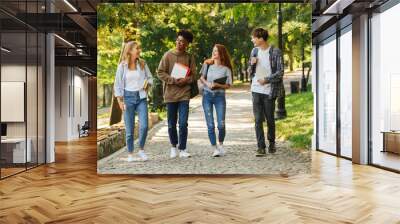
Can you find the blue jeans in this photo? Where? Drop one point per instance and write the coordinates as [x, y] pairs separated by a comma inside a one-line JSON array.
[[174, 109], [134, 104], [217, 100]]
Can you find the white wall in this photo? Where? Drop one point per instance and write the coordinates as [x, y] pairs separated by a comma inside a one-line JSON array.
[[33, 127], [71, 94], [61, 103], [12, 73], [80, 110]]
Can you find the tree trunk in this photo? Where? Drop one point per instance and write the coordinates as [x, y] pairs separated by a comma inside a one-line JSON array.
[[291, 60], [308, 74], [281, 108], [303, 77], [245, 70], [109, 94], [241, 73], [104, 95]]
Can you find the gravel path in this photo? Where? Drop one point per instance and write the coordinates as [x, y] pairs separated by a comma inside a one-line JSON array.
[[240, 146]]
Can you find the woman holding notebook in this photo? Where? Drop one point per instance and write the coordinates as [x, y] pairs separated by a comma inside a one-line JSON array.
[[216, 77], [132, 80]]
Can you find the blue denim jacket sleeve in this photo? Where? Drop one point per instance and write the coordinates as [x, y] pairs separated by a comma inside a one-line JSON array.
[[149, 76], [119, 81]]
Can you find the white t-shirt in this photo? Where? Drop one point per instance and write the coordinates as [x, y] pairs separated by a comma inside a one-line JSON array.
[[134, 80], [262, 61]]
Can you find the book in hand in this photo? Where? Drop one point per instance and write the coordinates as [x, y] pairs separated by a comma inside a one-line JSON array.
[[145, 84], [180, 71], [221, 81]]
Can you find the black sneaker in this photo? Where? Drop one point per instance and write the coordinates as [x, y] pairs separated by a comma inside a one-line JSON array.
[[272, 148], [260, 152]]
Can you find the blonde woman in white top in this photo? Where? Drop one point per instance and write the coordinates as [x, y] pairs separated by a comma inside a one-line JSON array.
[[132, 80]]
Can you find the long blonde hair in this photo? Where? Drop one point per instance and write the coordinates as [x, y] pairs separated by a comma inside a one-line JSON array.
[[126, 54]]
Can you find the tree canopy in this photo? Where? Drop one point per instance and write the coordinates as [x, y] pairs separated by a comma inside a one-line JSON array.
[[155, 27]]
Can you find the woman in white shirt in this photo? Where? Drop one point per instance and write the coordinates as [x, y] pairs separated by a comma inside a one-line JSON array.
[[132, 80]]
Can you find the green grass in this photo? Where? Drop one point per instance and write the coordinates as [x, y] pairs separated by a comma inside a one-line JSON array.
[[105, 115], [162, 113], [298, 126]]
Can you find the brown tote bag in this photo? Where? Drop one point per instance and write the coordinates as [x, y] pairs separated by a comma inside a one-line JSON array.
[[116, 112]]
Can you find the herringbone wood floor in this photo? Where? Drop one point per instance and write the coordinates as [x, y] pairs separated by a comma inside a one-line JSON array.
[[70, 191]]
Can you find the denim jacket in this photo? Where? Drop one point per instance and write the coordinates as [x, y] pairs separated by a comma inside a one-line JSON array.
[[277, 70], [120, 78]]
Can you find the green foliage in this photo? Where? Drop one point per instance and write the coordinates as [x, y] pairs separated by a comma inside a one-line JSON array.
[[296, 34], [108, 49], [298, 126], [155, 26]]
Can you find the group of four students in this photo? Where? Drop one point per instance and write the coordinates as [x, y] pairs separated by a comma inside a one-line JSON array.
[[133, 79]]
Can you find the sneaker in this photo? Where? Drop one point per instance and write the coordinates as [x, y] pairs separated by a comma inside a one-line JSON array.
[[272, 148], [184, 154], [221, 150], [260, 152], [142, 155], [172, 154], [131, 158], [216, 153]]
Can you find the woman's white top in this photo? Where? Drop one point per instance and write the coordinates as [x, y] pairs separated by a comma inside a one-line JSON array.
[[126, 79], [134, 81]]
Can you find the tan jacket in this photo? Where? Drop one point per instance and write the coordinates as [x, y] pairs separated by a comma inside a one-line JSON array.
[[173, 92]]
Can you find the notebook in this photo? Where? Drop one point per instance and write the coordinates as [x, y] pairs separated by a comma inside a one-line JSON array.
[[180, 71], [221, 80]]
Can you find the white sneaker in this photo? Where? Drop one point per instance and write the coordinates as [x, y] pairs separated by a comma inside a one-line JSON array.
[[184, 154], [221, 150], [172, 153], [216, 153], [142, 155], [131, 158]]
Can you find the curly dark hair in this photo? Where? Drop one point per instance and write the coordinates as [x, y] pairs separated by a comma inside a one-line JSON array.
[[185, 34]]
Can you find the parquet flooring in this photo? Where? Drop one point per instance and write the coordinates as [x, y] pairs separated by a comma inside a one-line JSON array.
[[70, 191]]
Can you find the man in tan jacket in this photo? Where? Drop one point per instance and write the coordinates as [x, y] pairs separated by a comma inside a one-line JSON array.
[[177, 92]]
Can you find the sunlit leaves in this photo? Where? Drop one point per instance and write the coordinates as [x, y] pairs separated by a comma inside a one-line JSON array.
[[155, 26]]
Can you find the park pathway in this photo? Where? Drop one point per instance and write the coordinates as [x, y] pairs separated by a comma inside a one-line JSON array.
[[240, 147]]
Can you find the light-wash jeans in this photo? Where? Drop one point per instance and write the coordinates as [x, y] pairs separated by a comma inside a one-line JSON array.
[[134, 104], [217, 100]]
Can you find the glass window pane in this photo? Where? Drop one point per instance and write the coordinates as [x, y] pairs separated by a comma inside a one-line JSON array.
[[32, 96], [41, 98], [385, 83], [22, 71], [346, 93], [13, 84], [327, 95]]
